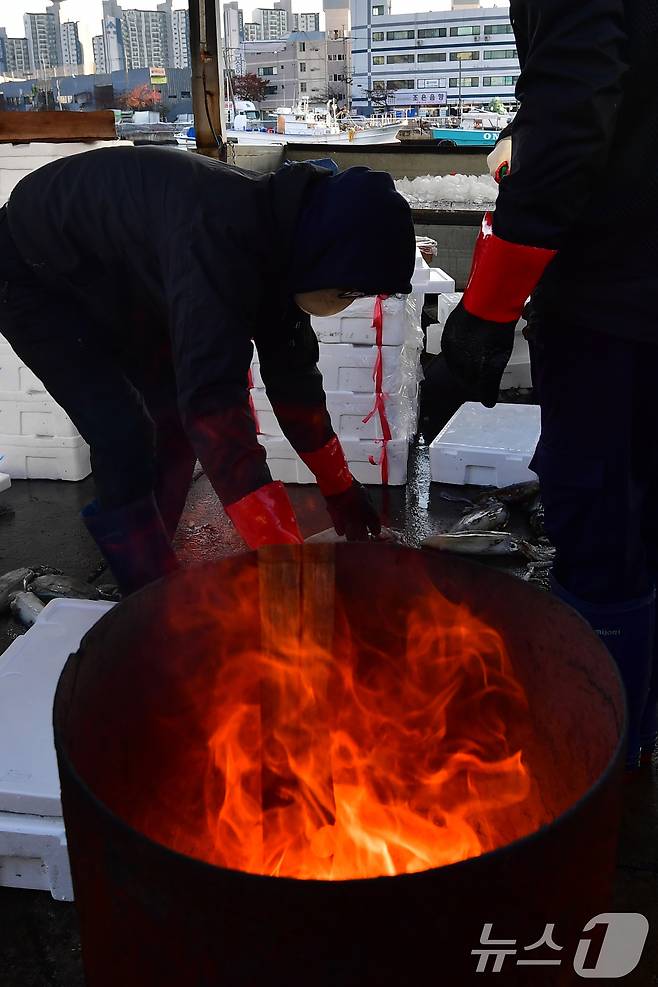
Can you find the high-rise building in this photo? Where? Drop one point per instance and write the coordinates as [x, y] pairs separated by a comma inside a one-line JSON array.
[[165, 7], [18, 57], [337, 18], [100, 62], [71, 48], [145, 38], [181, 39], [252, 31], [3, 50], [274, 23], [234, 38], [115, 60], [306, 22], [43, 41]]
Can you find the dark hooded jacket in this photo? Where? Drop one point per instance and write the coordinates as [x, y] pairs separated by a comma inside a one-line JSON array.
[[214, 255], [584, 179]]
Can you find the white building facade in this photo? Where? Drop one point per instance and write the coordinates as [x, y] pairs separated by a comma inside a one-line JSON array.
[[181, 39], [306, 22], [431, 59], [234, 38], [72, 54], [43, 41], [98, 50], [145, 38], [17, 54], [252, 31], [274, 23]]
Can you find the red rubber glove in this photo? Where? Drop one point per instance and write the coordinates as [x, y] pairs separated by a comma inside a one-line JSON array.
[[266, 517], [347, 500]]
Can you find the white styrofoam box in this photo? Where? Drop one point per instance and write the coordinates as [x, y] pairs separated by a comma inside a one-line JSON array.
[[16, 377], [28, 457], [349, 367], [5, 480], [33, 854], [29, 417], [347, 412], [18, 160], [430, 280], [32, 841], [401, 322], [487, 446], [285, 465], [447, 304]]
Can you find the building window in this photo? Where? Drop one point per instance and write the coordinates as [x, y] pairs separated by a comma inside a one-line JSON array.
[[399, 59], [377, 35], [378, 10], [502, 54], [265, 70], [400, 35], [377, 59], [302, 66], [337, 78], [432, 32], [302, 87], [464, 56], [468, 82], [498, 29], [271, 90], [302, 46], [431, 56], [186, 94], [500, 80], [400, 84], [463, 31]]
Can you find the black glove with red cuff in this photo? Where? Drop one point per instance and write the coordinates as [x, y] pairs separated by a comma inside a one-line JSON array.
[[477, 352], [479, 335], [348, 503], [353, 513]]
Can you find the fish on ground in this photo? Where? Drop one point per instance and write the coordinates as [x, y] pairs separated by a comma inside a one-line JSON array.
[[513, 495], [11, 582], [483, 543], [26, 607], [54, 587], [495, 517]]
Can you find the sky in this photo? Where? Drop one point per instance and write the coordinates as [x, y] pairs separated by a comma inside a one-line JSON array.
[[88, 13]]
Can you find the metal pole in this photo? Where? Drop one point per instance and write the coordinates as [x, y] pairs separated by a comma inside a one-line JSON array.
[[207, 81]]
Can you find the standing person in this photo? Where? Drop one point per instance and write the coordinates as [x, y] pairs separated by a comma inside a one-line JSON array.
[[132, 282], [576, 226]]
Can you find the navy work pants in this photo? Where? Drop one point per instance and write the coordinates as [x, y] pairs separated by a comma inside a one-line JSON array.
[[597, 458], [119, 389]]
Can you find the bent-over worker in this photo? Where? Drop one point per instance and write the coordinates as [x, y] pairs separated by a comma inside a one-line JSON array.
[[133, 281]]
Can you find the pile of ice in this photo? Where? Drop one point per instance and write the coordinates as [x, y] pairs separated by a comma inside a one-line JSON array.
[[449, 191]]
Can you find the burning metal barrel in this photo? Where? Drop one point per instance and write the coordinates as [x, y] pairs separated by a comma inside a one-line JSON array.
[[338, 766]]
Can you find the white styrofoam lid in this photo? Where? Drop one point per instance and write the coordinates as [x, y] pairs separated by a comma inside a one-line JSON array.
[[29, 672], [507, 428], [5, 480]]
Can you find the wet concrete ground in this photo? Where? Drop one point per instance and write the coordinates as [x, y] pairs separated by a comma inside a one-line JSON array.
[[39, 524]]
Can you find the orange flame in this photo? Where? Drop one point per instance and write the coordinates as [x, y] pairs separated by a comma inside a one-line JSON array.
[[331, 757]]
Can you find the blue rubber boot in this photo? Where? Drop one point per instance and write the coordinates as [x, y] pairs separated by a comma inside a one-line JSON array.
[[134, 542], [627, 630]]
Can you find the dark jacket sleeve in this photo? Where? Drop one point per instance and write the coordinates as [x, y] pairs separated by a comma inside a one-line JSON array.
[[570, 88], [212, 354], [289, 368]]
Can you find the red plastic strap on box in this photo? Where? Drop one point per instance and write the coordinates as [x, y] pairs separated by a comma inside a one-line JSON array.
[[380, 398], [250, 383]]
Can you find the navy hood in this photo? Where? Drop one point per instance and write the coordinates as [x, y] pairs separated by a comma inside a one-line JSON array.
[[355, 233]]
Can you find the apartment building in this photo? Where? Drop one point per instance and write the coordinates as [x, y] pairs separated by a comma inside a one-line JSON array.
[[145, 35], [17, 53], [306, 22], [432, 59], [181, 39], [72, 53], [98, 51], [252, 31], [273, 22], [43, 40]]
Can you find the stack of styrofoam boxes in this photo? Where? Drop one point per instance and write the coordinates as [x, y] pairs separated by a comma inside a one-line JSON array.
[[37, 439], [517, 372], [348, 355]]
